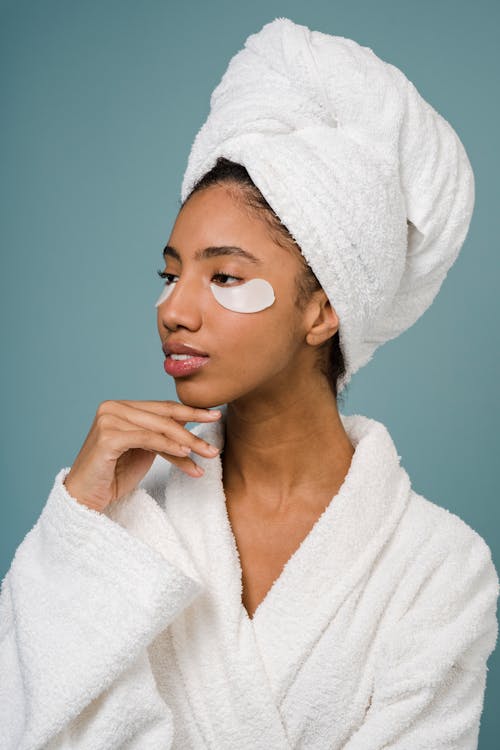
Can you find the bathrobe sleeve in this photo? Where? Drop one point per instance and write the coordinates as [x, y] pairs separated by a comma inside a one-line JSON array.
[[79, 605], [430, 673]]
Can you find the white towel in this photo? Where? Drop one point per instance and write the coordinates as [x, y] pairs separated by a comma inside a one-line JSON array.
[[373, 184]]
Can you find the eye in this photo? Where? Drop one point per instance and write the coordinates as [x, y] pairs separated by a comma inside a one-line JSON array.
[[220, 277], [224, 276], [168, 276]]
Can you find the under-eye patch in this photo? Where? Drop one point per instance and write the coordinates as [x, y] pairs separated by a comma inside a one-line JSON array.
[[252, 296], [165, 293]]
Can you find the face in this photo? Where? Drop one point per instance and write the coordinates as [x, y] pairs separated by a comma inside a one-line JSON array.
[[250, 354]]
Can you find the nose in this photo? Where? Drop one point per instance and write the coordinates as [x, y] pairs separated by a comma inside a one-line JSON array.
[[182, 308]]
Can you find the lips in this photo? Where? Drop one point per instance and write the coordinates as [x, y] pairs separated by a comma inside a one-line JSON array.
[[182, 367]]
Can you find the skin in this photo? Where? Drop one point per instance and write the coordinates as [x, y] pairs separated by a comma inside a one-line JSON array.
[[286, 451]]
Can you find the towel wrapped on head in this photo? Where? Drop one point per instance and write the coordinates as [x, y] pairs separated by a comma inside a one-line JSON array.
[[372, 183]]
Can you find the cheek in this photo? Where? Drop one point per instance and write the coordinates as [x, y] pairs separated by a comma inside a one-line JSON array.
[[245, 319], [254, 342]]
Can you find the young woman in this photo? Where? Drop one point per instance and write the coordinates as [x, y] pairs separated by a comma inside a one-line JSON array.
[[269, 579]]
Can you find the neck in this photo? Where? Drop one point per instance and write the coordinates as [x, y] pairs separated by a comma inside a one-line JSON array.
[[280, 453]]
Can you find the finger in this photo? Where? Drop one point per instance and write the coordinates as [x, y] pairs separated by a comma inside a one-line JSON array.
[[153, 407], [169, 427], [174, 409], [185, 464], [120, 441], [170, 445]]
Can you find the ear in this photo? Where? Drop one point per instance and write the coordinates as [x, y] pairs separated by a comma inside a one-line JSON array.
[[321, 319]]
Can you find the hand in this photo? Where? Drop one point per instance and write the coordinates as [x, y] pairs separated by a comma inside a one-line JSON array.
[[122, 443]]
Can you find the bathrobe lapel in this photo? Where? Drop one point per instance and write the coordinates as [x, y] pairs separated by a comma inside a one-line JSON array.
[[335, 555], [237, 671], [213, 639]]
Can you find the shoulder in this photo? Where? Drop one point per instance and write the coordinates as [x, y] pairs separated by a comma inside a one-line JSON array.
[[448, 573], [438, 529], [446, 590], [442, 546]]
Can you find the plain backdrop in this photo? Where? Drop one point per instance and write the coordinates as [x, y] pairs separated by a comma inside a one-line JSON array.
[[100, 102]]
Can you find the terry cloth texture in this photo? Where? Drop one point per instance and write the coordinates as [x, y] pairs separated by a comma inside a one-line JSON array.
[[127, 629], [370, 180]]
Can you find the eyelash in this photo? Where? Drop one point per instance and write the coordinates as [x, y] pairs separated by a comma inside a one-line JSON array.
[[167, 276]]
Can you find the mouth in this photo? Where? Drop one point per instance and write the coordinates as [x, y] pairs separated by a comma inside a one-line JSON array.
[[176, 347], [179, 365]]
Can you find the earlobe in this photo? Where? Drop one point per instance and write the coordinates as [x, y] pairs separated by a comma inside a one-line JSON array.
[[325, 322]]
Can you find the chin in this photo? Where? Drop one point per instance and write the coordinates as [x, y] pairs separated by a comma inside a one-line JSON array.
[[207, 395], [197, 396]]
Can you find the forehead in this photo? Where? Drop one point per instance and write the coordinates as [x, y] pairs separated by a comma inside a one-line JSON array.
[[214, 222]]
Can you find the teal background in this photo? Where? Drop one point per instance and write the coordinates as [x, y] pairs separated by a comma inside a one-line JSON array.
[[101, 100]]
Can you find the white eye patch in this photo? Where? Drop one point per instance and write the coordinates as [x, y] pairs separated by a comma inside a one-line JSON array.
[[252, 296], [165, 293]]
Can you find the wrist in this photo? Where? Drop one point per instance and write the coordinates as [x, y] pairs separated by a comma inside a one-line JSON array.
[[76, 495]]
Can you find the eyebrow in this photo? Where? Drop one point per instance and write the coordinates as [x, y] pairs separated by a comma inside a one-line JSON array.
[[212, 252]]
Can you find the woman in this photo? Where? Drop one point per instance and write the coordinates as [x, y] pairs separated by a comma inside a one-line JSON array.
[[269, 579]]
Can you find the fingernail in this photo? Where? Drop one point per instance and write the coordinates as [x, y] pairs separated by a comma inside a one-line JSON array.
[[215, 412], [198, 470]]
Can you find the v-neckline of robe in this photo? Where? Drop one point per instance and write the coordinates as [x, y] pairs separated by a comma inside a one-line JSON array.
[[290, 562], [374, 437], [326, 567]]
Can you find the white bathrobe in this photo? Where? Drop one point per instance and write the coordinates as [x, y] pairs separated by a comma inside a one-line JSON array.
[[126, 629]]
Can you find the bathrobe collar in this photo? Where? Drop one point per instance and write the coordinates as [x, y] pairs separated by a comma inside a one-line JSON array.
[[339, 549]]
